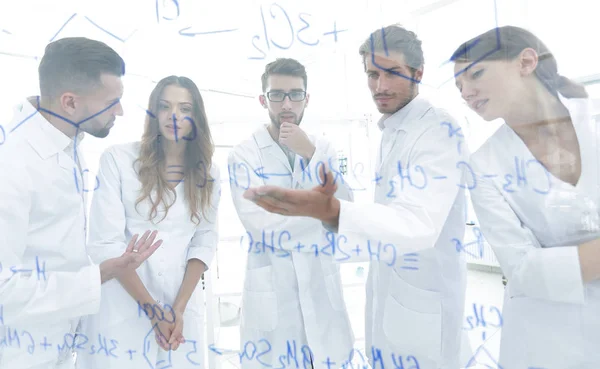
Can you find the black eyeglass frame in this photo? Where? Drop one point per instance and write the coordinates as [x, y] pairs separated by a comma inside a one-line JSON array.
[[285, 94]]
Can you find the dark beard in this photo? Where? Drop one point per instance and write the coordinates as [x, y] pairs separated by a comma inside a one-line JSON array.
[[275, 121], [404, 102]]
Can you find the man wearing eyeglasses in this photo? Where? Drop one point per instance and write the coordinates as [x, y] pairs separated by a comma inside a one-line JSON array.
[[293, 310]]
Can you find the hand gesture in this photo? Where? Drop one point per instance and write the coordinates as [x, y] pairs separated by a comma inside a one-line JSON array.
[[316, 203], [136, 253], [295, 139]]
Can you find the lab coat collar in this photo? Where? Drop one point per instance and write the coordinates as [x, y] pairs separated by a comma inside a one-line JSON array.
[[403, 118], [45, 139], [263, 138], [272, 149]]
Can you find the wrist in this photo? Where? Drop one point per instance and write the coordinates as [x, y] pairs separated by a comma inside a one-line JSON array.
[[106, 271], [178, 308], [332, 214], [308, 152]]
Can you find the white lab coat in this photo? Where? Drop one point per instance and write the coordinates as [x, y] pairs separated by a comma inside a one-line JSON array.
[[42, 215], [412, 312], [292, 299], [113, 221], [533, 221]]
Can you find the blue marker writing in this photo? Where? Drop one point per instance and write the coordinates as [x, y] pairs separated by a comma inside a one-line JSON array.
[[478, 319], [335, 32], [376, 358], [40, 269], [479, 242], [233, 175], [289, 36], [403, 176], [149, 340], [154, 311], [158, 16], [520, 176]]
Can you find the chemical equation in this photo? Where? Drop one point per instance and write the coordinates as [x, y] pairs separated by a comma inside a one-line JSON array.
[[234, 169], [406, 176], [287, 38], [99, 345], [102, 345], [281, 244], [301, 356], [40, 269]]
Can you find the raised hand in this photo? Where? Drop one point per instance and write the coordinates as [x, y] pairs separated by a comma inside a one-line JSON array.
[[136, 253], [139, 251], [318, 202]]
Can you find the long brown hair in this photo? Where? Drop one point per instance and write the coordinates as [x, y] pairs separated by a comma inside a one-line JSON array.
[[198, 184], [506, 43]]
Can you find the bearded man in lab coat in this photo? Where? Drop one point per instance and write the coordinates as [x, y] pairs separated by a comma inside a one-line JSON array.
[[416, 286], [293, 310], [47, 281]]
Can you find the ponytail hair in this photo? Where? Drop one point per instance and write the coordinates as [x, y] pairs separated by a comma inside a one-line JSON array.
[[506, 43]]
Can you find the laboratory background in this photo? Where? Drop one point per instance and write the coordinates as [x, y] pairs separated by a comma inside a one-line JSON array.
[[224, 45]]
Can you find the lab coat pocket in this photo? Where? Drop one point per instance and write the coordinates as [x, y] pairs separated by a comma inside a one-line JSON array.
[[412, 321], [259, 302], [333, 283]]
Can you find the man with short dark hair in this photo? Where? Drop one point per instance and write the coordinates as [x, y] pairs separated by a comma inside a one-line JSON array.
[[47, 281], [292, 300], [416, 286]]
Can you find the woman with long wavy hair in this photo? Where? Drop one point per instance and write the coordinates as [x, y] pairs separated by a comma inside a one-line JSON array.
[[167, 183]]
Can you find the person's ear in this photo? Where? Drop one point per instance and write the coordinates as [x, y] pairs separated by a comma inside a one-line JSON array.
[[263, 101], [68, 103], [418, 74], [528, 60], [307, 98]]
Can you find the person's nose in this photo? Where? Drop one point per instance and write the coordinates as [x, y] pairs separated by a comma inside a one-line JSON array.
[[174, 114], [383, 84], [286, 103], [119, 109], [468, 92]]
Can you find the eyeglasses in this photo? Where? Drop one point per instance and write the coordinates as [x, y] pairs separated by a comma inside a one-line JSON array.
[[279, 96]]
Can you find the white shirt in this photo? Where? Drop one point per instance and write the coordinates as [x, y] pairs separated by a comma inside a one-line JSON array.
[[114, 219], [417, 278], [292, 294], [534, 222], [42, 221]]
